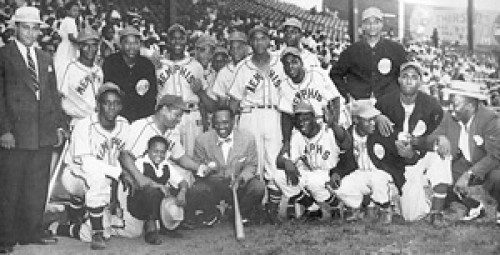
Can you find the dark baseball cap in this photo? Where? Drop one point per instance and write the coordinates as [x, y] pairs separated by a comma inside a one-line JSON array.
[[170, 101]]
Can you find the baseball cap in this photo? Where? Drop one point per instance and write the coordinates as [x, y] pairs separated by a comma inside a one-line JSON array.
[[176, 27], [292, 22], [238, 36], [290, 50], [170, 101], [364, 109], [303, 107], [205, 40], [258, 28], [412, 64], [87, 35], [372, 12], [129, 30], [109, 86]]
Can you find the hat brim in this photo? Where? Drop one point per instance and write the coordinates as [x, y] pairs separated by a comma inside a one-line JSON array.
[[36, 21], [477, 95]]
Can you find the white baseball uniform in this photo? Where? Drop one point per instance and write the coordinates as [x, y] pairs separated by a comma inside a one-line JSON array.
[[314, 158], [140, 132], [79, 89], [428, 172], [224, 81], [258, 92], [92, 159], [317, 89], [174, 78], [366, 180]]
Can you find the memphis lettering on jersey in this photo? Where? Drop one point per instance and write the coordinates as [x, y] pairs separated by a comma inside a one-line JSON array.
[[257, 78], [171, 70], [307, 94], [107, 145], [317, 149], [86, 81]]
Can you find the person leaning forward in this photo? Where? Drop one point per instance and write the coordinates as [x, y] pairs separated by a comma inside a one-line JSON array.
[[31, 123]]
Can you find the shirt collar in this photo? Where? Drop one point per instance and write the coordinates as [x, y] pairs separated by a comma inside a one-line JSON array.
[[23, 48], [228, 139]]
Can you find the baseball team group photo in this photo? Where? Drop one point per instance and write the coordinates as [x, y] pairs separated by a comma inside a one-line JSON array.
[[249, 127]]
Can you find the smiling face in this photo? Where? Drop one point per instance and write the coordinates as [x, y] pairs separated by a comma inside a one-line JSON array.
[[293, 66], [305, 123], [372, 26], [260, 42], [88, 50], [110, 105], [292, 36], [157, 152], [223, 123]]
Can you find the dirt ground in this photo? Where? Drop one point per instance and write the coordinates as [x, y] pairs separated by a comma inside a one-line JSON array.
[[298, 237]]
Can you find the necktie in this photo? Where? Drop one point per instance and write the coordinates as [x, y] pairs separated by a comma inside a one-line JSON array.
[[223, 141], [32, 71]]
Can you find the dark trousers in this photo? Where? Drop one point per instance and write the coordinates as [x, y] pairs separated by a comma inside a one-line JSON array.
[[24, 179], [492, 185], [206, 193], [145, 203]]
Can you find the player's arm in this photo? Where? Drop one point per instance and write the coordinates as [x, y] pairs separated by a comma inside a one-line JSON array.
[[130, 170], [198, 88], [339, 71]]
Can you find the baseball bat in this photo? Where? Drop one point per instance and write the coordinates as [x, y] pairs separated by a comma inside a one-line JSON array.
[[57, 169], [238, 223]]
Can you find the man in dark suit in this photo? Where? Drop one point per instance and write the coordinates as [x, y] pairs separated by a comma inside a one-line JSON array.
[[474, 134], [232, 157], [31, 123]]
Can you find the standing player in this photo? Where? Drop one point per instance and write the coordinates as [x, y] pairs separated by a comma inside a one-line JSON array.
[[82, 79], [255, 91], [96, 142], [224, 80], [292, 29], [310, 86], [181, 75]]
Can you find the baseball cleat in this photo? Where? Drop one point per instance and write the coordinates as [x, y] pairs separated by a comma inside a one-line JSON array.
[[98, 242], [474, 213]]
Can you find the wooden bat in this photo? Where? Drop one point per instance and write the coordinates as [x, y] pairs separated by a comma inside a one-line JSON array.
[[238, 223], [57, 170]]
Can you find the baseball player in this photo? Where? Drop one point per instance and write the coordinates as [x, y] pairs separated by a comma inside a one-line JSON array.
[[292, 29], [314, 150], [366, 180], [311, 86], [82, 78], [224, 80], [255, 91], [181, 75], [92, 161]]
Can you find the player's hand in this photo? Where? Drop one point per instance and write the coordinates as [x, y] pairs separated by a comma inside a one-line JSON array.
[[7, 141], [292, 173], [62, 135], [129, 184], [180, 200], [462, 184], [405, 149], [334, 181], [443, 147], [156, 60], [196, 85], [332, 112], [385, 125]]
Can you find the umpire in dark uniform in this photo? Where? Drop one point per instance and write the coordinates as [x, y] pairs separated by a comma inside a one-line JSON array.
[[134, 74], [31, 122], [370, 67]]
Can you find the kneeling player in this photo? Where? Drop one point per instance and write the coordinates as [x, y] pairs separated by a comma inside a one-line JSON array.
[[92, 163], [366, 180], [314, 150]]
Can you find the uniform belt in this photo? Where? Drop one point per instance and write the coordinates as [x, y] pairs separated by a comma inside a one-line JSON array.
[[247, 109]]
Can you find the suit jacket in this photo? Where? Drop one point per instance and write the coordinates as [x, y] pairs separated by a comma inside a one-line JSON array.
[[206, 150], [427, 110], [33, 122], [484, 139]]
